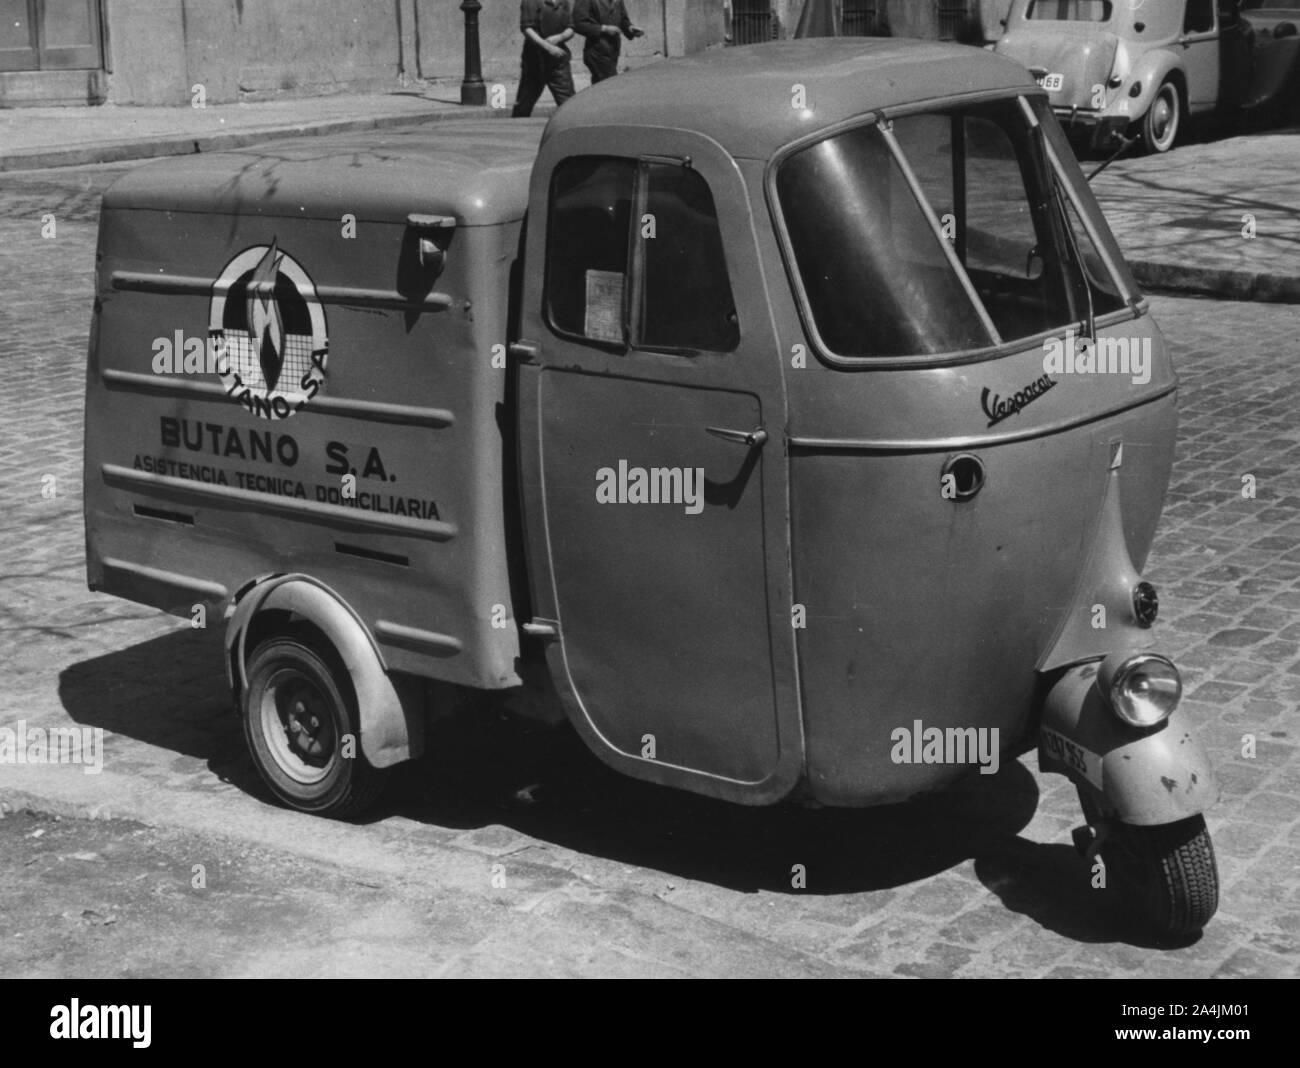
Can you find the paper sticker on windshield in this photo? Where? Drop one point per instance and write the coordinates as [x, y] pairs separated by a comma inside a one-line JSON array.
[[271, 326], [604, 317]]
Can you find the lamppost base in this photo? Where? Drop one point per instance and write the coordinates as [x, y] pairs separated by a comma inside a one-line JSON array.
[[473, 93]]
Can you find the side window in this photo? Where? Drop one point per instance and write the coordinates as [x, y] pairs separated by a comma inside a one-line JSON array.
[[677, 293], [1199, 17], [587, 245], [686, 302]]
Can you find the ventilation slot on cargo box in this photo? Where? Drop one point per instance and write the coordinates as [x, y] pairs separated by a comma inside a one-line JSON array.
[[163, 514], [372, 554]]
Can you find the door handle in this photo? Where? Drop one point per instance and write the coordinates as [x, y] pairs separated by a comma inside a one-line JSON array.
[[752, 438]]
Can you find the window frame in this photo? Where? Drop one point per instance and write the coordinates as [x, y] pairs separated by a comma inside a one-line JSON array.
[[1134, 307], [1188, 33], [634, 273]]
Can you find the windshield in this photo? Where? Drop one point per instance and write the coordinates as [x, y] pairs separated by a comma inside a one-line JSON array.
[[1070, 10], [991, 250]]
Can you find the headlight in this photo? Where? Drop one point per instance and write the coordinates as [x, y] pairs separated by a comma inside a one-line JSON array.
[[1142, 689]]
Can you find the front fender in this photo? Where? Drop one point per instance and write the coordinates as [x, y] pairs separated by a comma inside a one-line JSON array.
[[390, 732], [1138, 777], [1149, 71]]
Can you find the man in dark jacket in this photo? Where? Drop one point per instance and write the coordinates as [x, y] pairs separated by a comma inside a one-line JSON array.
[[546, 25], [601, 22]]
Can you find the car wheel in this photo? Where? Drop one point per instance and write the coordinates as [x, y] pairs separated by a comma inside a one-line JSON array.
[[300, 722], [1164, 116], [1170, 871]]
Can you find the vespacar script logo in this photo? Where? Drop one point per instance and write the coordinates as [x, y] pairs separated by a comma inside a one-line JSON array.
[[998, 408], [270, 322]]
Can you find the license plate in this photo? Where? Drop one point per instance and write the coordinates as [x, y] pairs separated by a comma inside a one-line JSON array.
[[1053, 83], [1074, 756]]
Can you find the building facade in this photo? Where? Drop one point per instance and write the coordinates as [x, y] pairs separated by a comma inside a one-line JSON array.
[[173, 51]]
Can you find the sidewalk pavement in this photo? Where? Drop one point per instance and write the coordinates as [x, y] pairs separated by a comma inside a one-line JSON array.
[[37, 138], [1221, 218], [1218, 218]]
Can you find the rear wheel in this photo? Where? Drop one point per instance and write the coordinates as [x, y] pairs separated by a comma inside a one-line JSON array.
[[1161, 122], [301, 725]]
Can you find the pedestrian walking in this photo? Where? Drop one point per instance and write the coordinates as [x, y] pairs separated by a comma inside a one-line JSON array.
[[546, 26], [601, 22]]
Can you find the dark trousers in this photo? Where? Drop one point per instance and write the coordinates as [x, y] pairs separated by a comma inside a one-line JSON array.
[[601, 64], [537, 72]]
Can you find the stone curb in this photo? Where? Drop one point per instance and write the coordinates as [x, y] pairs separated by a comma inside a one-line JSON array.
[[1221, 283], [14, 801]]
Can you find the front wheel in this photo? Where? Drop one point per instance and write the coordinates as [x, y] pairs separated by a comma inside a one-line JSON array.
[[1169, 869], [301, 727], [1160, 123]]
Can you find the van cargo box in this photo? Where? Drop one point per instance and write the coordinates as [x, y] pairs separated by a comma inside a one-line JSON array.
[[297, 365]]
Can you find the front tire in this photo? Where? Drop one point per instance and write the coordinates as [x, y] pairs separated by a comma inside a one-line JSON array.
[[1171, 869], [1163, 118], [301, 725]]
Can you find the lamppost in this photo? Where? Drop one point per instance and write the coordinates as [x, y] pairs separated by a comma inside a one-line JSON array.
[[472, 89]]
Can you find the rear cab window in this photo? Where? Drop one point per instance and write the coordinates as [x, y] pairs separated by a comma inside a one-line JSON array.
[[1070, 10]]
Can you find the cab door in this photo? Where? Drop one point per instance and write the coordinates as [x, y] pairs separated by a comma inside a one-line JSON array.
[[652, 460]]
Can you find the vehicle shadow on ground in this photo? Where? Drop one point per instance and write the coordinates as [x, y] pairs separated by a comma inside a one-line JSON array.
[[169, 692], [488, 769]]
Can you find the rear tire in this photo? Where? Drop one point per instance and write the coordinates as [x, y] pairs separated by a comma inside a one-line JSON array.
[[301, 725], [1161, 123]]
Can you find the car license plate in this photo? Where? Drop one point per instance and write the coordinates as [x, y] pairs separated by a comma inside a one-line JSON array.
[[1053, 83], [1057, 747]]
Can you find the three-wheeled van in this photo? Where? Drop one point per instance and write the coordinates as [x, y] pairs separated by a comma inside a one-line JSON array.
[[793, 405]]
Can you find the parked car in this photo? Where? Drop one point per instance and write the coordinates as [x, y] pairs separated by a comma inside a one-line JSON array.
[[1113, 67]]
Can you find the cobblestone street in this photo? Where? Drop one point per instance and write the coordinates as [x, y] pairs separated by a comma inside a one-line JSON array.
[[531, 858]]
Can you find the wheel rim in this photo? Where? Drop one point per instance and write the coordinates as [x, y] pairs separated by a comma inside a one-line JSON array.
[[1164, 117], [298, 725]]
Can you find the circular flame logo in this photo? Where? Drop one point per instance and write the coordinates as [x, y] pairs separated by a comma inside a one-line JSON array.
[[269, 321]]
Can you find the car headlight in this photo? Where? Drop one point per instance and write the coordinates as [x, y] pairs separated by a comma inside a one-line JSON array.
[[1142, 689]]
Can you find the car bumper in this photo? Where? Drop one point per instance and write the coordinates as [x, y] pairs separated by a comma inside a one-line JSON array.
[[1099, 129]]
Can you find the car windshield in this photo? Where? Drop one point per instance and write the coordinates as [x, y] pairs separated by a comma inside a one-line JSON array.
[[1070, 10], [991, 251]]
